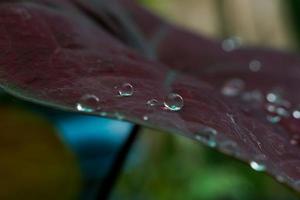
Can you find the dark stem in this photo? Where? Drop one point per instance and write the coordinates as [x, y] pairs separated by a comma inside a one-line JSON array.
[[112, 176]]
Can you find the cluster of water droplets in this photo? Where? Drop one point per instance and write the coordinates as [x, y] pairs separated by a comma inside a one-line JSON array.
[[277, 107]]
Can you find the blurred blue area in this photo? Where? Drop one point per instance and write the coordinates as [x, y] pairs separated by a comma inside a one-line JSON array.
[[95, 141]]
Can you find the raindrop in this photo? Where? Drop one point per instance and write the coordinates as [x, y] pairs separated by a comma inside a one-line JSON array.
[[272, 97], [125, 90], [229, 147], [257, 166], [119, 116], [295, 140], [255, 65], [280, 178], [252, 96], [231, 43], [274, 119], [233, 87], [282, 112], [296, 184], [145, 118], [173, 102], [152, 102], [88, 103], [207, 135], [296, 113]]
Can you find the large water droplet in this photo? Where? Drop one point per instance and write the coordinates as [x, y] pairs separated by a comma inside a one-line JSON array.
[[88, 103], [233, 87], [207, 135], [125, 90], [255, 65], [173, 102], [231, 43], [257, 166]]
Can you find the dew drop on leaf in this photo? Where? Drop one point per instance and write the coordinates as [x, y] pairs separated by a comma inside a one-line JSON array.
[[207, 135], [88, 103], [231, 43], [257, 166], [229, 147], [152, 102], [296, 113], [125, 90], [233, 87], [145, 118], [255, 66], [173, 102], [273, 118], [253, 96]]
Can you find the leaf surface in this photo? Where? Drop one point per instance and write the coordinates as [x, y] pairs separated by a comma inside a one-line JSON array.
[[58, 52]]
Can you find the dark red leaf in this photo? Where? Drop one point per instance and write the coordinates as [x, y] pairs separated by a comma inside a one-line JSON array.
[[58, 53]]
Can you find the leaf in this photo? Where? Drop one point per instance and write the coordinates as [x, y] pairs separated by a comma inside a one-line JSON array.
[[77, 55]]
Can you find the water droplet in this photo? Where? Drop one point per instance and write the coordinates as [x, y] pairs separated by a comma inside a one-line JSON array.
[[272, 97], [252, 96], [295, 139], [231, 43], [207, 135], [119, 116], [273, 118], [296, 185], [280, 178], [152, 102], [125, 90], [229, 147], [88, 103], [174, 102], [257, 166], [296, 113], [255, 65], [145, 118], [282, 112], [233, 87]]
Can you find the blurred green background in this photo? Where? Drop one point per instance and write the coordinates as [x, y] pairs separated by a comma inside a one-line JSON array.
[[42, 160]]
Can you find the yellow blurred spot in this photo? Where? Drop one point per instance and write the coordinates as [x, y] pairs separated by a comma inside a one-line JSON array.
[[34, 163]]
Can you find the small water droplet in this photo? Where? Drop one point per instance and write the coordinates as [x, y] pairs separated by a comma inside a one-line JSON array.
[[125, 90], [296, 113], [257, 166], [295, 139], [207, 135], [252, 96], [282, 112], [173, 102], [152, 102], [272, 97], [273, 118], [229, 147], [145, 118], [119, 116], [296, 185], [231, 43], [255, 65], [88, 103], [233, 87]]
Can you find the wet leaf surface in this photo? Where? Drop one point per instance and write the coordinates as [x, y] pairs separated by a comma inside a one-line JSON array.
[[118, 60]]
